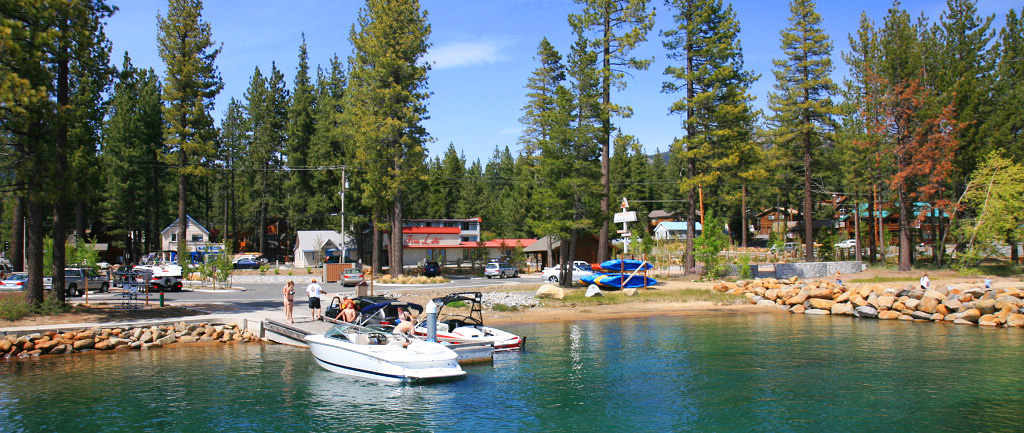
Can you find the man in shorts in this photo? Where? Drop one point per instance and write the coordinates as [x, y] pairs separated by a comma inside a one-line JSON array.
[[314, 290]]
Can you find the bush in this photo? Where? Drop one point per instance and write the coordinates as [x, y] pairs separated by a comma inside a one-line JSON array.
[[14, 308], [744, 263], [709, 244]]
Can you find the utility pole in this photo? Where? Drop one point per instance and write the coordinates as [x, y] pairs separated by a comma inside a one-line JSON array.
[[344, 188]]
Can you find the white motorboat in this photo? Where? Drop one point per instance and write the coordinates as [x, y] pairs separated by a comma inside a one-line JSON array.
[[459, 329], [368, 353]]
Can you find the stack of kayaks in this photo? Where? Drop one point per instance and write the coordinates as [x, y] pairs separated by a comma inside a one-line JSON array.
[[616, 274]]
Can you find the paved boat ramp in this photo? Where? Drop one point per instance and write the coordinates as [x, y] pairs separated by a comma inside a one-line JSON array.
[[294, 334]]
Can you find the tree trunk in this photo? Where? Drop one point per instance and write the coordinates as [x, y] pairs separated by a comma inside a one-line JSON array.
[[59, 253], [743, 213], [1014, 255], [34, 248], [395, 259], [376, 246], [182, 216], [17, 254], [904, 262], [80, 217], [808, 206], [856, 230], [872, 245]]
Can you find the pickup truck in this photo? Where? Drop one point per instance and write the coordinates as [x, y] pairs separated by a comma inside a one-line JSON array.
[[77, 279]]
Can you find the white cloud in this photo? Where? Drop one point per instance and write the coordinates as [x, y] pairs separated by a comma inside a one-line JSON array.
[[460, 54]]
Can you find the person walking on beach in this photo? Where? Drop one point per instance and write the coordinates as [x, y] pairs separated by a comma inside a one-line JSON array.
[[839, 279], [314, 290], [925, 282], [289, 300]]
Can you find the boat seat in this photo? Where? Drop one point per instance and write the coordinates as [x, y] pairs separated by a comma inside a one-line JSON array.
[[359, 339]]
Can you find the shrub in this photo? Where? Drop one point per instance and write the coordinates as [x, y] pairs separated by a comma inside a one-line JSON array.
[[744, 263], [14, 308]]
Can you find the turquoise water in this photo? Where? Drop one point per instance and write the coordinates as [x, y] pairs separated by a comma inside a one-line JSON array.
[[770, 372]]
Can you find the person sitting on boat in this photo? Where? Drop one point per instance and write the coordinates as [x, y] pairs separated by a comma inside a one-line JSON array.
[[403, 324], [349, 313]]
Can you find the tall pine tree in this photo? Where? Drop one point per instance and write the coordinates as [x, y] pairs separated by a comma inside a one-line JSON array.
[[802, 101]]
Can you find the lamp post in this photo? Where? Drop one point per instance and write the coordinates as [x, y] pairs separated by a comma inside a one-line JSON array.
[[344, 244]]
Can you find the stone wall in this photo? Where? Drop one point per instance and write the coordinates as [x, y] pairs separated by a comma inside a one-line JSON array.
[[800, 270]]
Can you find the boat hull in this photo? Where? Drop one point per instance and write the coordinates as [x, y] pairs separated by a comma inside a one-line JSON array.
[[468, 334], [391, 363]]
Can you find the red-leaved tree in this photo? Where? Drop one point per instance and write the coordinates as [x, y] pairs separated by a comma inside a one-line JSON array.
[[919, 141]]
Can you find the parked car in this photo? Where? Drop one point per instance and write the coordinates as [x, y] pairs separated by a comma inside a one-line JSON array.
[[551, 274], [5, 270], [849, 243], [247, 263], [500, 270], [431, 269], [14, 282], [76, 280], [352, 277]]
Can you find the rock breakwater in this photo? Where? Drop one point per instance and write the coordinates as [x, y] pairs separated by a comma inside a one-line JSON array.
[[997, 307], [147, 337]]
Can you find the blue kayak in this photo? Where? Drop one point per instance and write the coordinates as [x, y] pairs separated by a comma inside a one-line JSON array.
[[614, 280], [625, 265]]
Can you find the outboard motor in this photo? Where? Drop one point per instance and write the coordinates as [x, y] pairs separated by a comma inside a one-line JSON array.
[[432, 322]]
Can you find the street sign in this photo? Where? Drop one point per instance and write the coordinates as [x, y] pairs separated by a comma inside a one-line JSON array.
[[622, 231], [625, 217], [626, 234], [625, 204]]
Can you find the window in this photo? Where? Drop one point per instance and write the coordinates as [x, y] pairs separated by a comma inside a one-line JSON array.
[[197, 238], [174, 237], [771, 217]]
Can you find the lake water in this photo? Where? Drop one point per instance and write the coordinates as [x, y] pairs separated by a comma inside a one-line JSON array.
[[765, 372]]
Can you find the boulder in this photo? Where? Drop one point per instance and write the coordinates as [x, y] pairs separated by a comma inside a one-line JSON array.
[[187, 339], [888, 315], [865, 311], [987, 306], [1015, 320], [797, 309], [546, 291], [771, 294], [844, 308], [899, 306], [593, 290], [209, 330], [629, 292], [873, 300], [906, 317], [765, 303], [928, 304], [816, 312], [845, 296], [821, 294], [917, 293], [103, 345], [921, 315], [944, 290], [943, 309], [885, 301], [934, 294], [952, 303], [5, 345], [971, 315], [1005, 301], [966, 297], [167, 339], [83, 344], [799, 298], [938, 316], [911, 303], [820, 304], [975, 292], [963, 322], [988, 320], [857, 300], [864, 291]]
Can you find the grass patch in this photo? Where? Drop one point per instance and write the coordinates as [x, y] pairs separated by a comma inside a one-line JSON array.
[[681, 295], [14, 307], [504, 308], [411, 279], [1001, 270]]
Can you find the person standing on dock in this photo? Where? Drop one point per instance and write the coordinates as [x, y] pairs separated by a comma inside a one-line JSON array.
[[314, 290], [289, 300]]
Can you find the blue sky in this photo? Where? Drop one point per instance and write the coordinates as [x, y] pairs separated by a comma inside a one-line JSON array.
[[483, 52]]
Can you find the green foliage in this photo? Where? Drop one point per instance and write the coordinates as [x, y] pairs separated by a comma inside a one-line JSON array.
[[707, 246], [827, 250], [517, 258], [744, 264], [995, 211], [300, 130], [16, 308], [218, 266]]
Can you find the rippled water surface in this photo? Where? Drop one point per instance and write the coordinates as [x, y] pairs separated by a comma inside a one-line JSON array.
[[770, 372]]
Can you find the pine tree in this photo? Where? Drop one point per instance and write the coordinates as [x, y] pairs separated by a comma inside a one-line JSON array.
[[266, 106], [235, 140], [327, 149], [133, 143], [191, 84], [802, 103], [301, 126], [1005, 127], [384, 108], [715, 106], [620, 26]]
